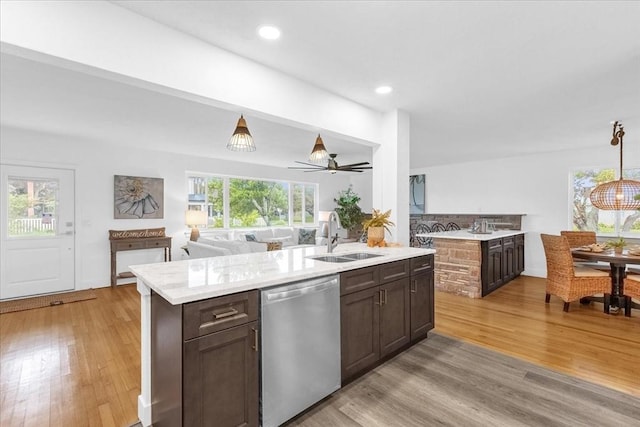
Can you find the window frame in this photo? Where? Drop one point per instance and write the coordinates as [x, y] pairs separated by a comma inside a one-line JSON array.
[[619, 217], [226, 179]]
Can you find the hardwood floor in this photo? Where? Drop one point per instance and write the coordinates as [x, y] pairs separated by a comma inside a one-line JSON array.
[[514, 320], [75, 364], [79, 364]]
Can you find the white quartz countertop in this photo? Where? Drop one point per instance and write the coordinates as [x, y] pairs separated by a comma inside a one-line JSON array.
[[466, 235], [186, 281]]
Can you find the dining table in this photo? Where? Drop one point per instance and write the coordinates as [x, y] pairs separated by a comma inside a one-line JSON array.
[[618, 266]]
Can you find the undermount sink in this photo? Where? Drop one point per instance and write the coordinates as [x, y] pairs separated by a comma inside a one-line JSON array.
[[360, 255], [331, 258], [344, 257]]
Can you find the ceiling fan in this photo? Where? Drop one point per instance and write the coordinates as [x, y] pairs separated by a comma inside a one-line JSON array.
[[332, 166]]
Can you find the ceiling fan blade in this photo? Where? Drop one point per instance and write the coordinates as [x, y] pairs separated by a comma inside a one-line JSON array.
[[306, 169], [353, 164], [348, 170], [310, 164]]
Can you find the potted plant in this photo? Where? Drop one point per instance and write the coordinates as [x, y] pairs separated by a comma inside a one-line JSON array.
[[348, 210], [617, 244], [376, 225]]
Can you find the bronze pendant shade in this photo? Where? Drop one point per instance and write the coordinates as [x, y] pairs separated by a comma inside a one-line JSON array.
[[617, 195], [319, 153], [241, 140]]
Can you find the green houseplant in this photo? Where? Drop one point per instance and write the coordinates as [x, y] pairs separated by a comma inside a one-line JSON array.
[[376, 225], [617, 244], [348, 210]]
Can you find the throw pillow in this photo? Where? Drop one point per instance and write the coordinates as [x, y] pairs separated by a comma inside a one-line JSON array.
[[250, 237], [307, 236]]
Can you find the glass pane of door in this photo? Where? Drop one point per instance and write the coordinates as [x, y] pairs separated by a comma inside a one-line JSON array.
[[32, 207]]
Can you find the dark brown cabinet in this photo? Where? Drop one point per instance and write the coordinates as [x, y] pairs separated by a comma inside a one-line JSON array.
[[204, 365], [502, 261], [421, 293], [382, 313], [519, 254]]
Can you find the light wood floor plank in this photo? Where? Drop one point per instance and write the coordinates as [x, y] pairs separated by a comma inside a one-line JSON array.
[[86, 356]]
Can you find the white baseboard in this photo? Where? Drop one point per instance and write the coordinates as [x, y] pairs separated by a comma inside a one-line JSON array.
[[144, 412]]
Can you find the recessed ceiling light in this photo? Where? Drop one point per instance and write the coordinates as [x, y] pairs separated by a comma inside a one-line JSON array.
[[269, 32], [383, 90]]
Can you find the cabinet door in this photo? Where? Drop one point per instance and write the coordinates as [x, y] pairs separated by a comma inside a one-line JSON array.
[[221, 378], [508, 259], [360, 330], [491, 266], [395, 316], [519, 254], [422, 307]]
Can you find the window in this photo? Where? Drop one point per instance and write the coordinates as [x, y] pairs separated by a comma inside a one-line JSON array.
[[587, 217], [235, 202]]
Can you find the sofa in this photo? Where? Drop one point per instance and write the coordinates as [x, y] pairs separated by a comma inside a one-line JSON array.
[[232, 242]]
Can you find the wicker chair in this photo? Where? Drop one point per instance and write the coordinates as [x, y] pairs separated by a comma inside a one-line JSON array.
[[583, 238], [579, 238], [571, 282], [631, 290]]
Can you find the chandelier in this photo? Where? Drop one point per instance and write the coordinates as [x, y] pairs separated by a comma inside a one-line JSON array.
[[617, 195]]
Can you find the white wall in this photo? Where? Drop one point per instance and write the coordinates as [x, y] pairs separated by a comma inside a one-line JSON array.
[[536, 185], [96, 163]]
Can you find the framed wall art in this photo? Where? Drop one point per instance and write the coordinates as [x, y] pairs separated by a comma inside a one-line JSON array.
[[138, 197]]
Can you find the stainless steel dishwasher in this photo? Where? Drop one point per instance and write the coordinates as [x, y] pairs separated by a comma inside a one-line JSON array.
[[300, 358]]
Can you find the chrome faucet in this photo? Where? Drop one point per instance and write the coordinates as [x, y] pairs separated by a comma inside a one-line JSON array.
[[332, 241]]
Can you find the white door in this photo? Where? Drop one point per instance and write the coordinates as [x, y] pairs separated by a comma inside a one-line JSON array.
[[37, 218]]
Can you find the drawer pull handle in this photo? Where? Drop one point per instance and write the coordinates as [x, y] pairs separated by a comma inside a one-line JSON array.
[[224, 314]]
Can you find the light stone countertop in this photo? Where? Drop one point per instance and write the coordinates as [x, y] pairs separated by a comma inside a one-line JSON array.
[[466, 235], [186, 281]]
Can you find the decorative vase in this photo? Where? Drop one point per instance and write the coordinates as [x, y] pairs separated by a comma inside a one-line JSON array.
[[617, 250], [375, 235]]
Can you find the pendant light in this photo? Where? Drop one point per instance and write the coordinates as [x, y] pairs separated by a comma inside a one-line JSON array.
[[617, 195], [319, 153], [241, 139]]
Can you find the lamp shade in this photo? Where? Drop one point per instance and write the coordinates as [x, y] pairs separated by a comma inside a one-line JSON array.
[[319, 153], [241, 140], [617, 195], [195, 218]]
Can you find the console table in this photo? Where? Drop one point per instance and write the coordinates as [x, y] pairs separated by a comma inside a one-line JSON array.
[[136, 244]]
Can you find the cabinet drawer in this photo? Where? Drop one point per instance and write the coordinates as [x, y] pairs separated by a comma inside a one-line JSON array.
[[394, 270], [495, 244], [123, 246], [154, 244], [508, 241], [421, 264], [357, 280], [215, 314]]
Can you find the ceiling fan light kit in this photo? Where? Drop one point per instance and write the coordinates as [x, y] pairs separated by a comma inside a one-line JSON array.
[[241, 140], [619, 195]]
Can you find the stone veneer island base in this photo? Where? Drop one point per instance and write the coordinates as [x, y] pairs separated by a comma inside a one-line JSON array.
[[475, 265]]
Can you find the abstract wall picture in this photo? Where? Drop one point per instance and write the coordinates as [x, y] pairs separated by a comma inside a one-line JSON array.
[[138, 197], [417, 194]]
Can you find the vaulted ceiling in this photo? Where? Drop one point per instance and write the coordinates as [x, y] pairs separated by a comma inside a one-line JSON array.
[[479, 79]]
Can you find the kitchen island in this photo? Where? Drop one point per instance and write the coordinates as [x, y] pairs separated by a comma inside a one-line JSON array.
[[195, 286], [475, 264]]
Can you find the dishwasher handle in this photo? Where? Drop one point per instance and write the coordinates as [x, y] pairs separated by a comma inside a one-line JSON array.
[[298, 290]]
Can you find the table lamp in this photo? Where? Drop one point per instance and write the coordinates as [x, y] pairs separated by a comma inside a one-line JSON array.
[[193, 219]]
